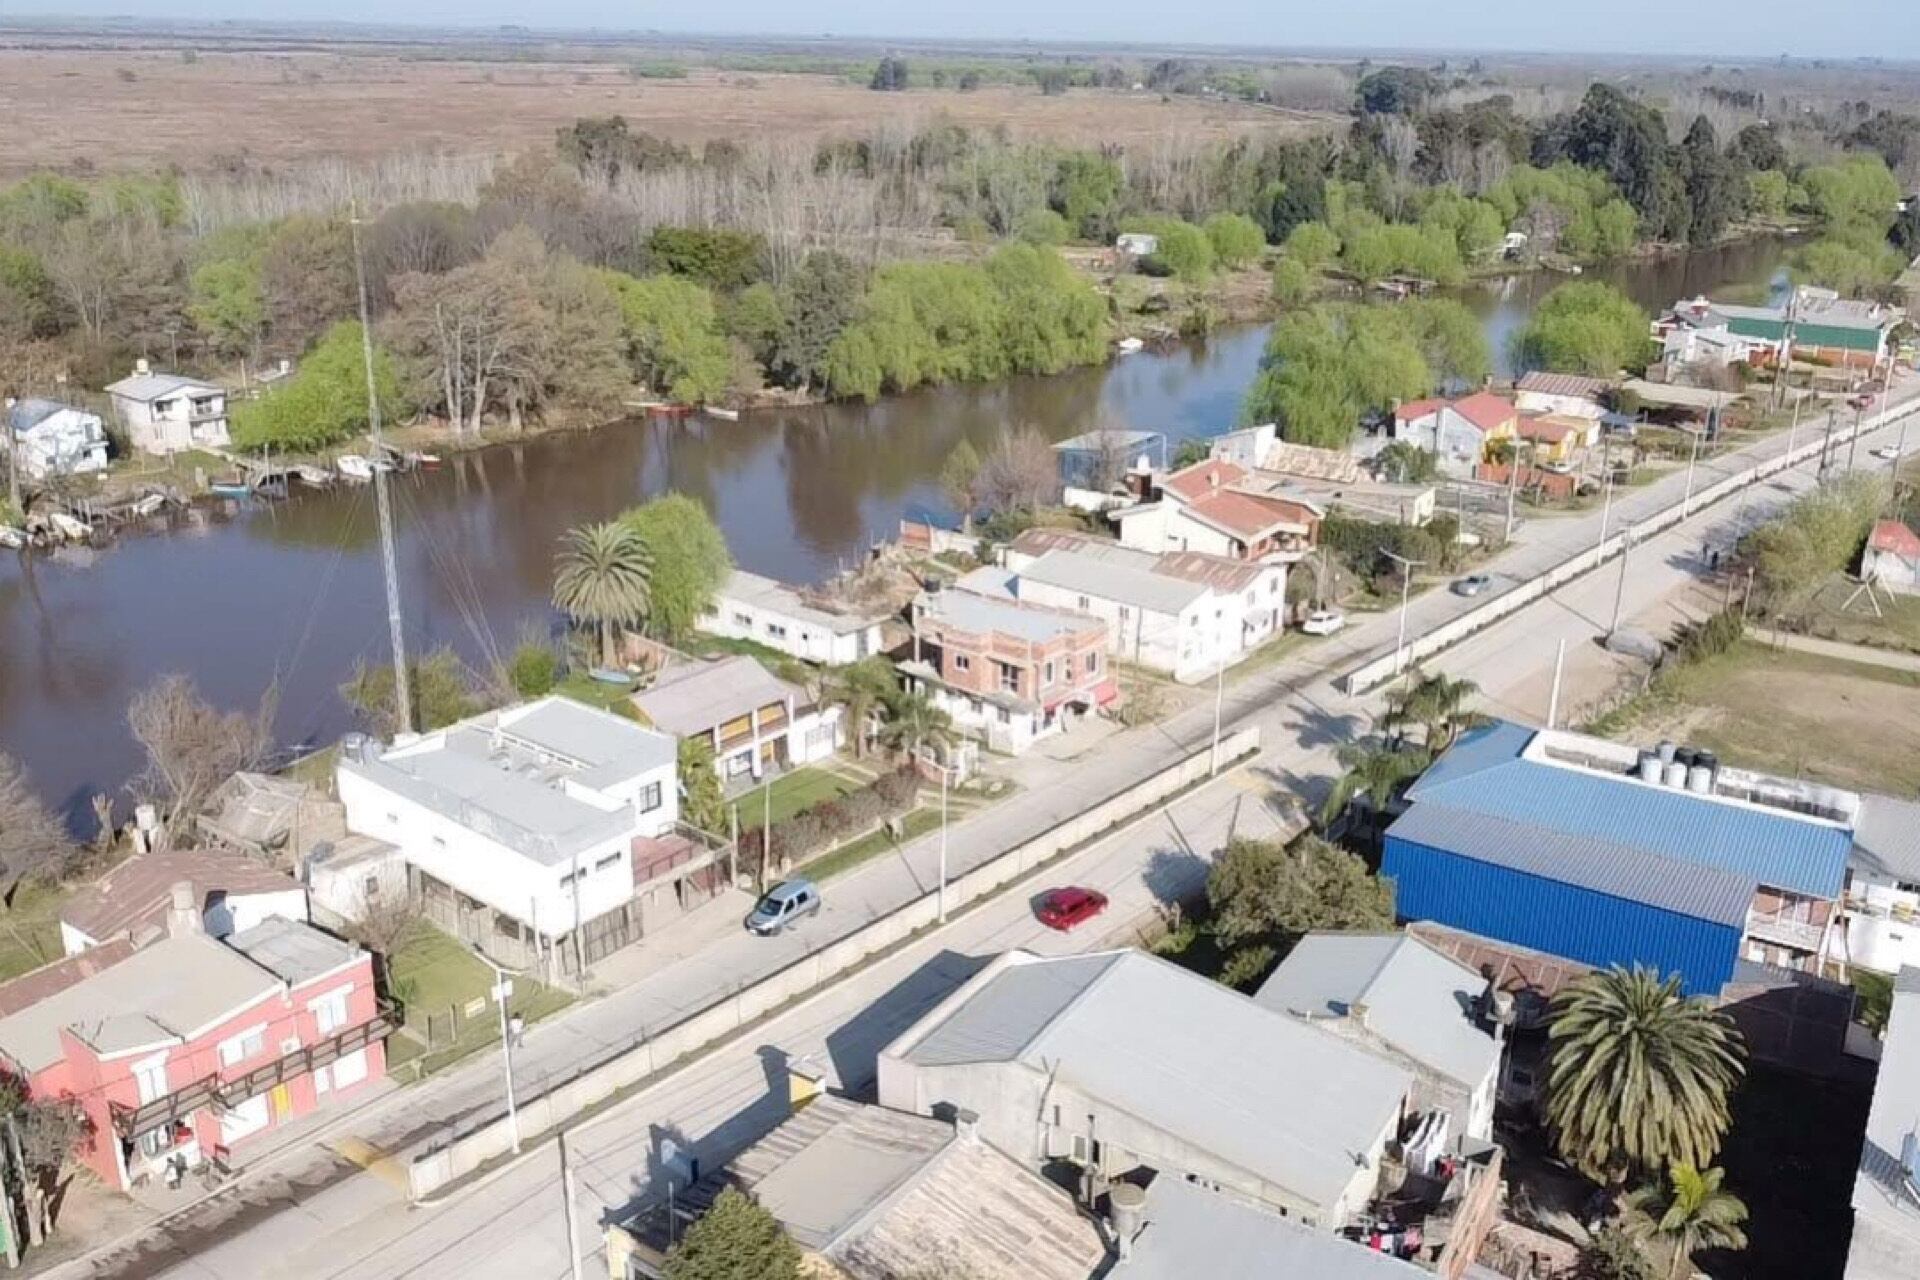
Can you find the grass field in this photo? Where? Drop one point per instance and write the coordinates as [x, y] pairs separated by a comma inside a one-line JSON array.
[[1896, 626], [434, 974], [792, 792], [30, 929], [1795, 714]]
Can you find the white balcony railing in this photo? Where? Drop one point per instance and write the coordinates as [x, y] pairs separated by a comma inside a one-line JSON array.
[[1798, 934]]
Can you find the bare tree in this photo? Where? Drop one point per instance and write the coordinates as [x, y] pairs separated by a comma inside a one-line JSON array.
[[387, 924], [1019, 473], [192, 746], [32, 838]]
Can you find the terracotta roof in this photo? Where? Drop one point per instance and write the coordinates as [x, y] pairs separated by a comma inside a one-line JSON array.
[[136, 893], [1248, 515], [1037, 542], [1416, 409], [1549, 428], [1314, 464], [1563, 384], [1484, 409], [1217, 572], [1894, 537], [1202, 478], [32, 988]]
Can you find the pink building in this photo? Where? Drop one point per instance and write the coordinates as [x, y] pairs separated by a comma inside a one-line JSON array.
[[188, 1047]]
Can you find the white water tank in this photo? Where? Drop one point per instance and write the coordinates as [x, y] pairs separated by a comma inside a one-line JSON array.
[[1700, 779], [1676, 775], [1650, 767]]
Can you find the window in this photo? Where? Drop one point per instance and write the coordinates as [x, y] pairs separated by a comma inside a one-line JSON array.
[[1083, 604], [439, 842], [350, 1069], [1078, 1151], [777, 631], [650, 797], [566, 881], [247, 1044], [610, 860], [1068, 670], [1006, 717], [1125, 613], [370, 888], [743, 620], [1009, 677], [1093, 663], [961, 662], [150, 1077], [1046, 672], [330, 1010]]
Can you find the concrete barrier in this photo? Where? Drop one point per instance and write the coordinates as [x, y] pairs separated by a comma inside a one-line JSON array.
[[475, 1145], [1383, 667]]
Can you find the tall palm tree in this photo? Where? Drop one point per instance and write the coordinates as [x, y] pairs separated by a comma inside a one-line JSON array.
[[861, 688], [1691, 1214], [1638, 1074], [1373, 770], [915, 724], [603, 578], [1437, 703]]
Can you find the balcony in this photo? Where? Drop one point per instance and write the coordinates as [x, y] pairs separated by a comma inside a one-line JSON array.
[[1801, 935]]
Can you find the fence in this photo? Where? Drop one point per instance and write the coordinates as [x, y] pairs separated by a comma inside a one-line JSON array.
[[1385, 666], [555, 1103]]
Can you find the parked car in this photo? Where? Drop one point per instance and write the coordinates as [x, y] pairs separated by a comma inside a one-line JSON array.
[[1323, 622], [784, 904], [1862, 401], [1886, 453], [1068, 908], [1472, 585]]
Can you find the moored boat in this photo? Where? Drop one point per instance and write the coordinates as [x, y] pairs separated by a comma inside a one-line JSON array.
[[354, 467]]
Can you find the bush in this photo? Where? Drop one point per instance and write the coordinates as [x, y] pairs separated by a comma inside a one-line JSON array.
[[1184, 252], [533, 669], [1292, 282], [1041, 227], [1236, 239]]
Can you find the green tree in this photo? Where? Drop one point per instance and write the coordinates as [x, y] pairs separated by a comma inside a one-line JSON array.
[[702, 803], [690, 560], [1086, 191], [862, 690], [442, 688], [1265, 895], [1612, 1255], [1374, 771], [1184, 251], [755, 318], [1313, 244], [1627, 141], [1292, 282], [1050, 317], [1236, 239], [1855, 193], [29, 299], [890, 75], [1042, 227], [533, 668], [325, 401], [1715, 193], [1849, 267], [735, 1240], [1693, 1212], [717, 257], [1638, 1075], [818, 302], [1437, 703], [227, 304], [604, 579], [673, 335], [1404, 462], [1584, 327], [306, 280]]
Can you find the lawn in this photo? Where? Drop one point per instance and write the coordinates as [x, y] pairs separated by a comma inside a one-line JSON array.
[[1794, 714], [1830, 617], [582, 687], [436, 979], [839, 861], [792, 792], [30, 928]]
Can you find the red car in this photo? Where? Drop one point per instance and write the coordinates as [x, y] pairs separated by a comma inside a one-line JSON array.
[[1064, 909]]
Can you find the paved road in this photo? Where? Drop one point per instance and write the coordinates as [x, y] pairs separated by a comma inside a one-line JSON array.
[[292, 1219]]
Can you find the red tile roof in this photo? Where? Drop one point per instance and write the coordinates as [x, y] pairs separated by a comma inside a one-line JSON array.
[[1414, 409], [1203, 478], [1247, 515], [1894, 537], [136, 893], [1549, 428], [1484, 409]]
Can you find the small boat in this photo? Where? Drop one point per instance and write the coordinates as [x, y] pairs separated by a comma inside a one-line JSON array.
[[1128, 346], [68, 527], [11, 538], [725, 415], [425, 461], [607, 675], [273, 488], [147, 506], [354, 467], [230, 488], [318, 477]]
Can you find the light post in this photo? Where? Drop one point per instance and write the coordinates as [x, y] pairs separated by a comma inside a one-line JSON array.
[[1693, 457], [1219, 701], [503, 988], [1606, 505], [1513, 483], [1406, 585], [945, 769], [1620, 589]]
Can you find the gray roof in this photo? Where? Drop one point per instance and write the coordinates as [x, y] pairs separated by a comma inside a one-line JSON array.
[[1622, 871], [295, 952], [1880, 1191], [696, 697], [981, 615], [1143, 589], [1417, 1000], [1184, 1054], [28, 414], [1886, 837], [778, 597], [1195, 1234], [606, 748], [170, 990], [158, 386]]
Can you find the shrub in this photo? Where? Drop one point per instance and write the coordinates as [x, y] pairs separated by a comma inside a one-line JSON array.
[[533, 669]]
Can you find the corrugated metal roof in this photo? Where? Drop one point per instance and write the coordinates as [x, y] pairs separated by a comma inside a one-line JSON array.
[[1886, 838], [158, 386], [699, 697], [1617, 870], [1416, 999], [1485, 772], [1004, 1016], [1196, 1234], [981, 615], [1124, 584]]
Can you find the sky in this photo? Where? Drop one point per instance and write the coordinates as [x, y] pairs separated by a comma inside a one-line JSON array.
[[1756, 28]]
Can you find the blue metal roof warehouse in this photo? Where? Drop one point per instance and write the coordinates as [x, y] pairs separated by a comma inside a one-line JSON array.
[[1594, 865]]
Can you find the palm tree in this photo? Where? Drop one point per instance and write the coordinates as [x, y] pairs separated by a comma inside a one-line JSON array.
[[1638, 1074], [915, 724], [604, 578], [1373, 770], [1694, 1213], [862, 688], [1437, 703]]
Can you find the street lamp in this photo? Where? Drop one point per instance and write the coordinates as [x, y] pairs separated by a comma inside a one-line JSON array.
[[946, 772], [1693, 457], [1606, 506], [1406, 584], [1620, 590], [503, 988]]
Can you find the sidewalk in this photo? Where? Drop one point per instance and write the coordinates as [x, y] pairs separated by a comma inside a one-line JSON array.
[[1845, 652]]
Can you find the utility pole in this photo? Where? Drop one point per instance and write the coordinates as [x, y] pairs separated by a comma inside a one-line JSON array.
[[573, 1227], [1219, 702], [1406, 586], [383, 502], [1513, 484], [1693, 456], [1620, 590], [502, 991], [945, 769], [1606, 506], [1553, 699]]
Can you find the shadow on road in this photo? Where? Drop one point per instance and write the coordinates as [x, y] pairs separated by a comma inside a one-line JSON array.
[[854, 1047]]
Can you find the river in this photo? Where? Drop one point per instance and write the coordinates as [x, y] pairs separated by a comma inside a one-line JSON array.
[[292, 590]]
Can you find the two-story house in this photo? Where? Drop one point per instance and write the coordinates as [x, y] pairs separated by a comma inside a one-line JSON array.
[[1221, 508], [167, 413], [1459, 432], [755, 722], [184, 1048], [1007, 672], [53, 439], [546, 833]]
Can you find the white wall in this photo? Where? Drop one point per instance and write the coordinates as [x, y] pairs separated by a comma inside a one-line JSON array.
[[1460, 444], [743, 620], [1572, 406], [69, 442], [342, 892]]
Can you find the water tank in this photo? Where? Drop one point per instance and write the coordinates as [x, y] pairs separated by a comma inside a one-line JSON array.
[[1666, 750], [1685, 756], [1127, 1203], [1650, 767], [356, 747], [1700, 779], [1711, 763], [1676, 775]]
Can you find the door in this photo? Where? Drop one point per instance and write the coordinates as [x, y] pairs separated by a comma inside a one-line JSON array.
[[248, 1118]]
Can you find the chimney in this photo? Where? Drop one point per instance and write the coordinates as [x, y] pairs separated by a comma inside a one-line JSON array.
[[146, 827], [1126, 1209], [967, 1124], [183, 912], [141, 368], [1358, 1012]]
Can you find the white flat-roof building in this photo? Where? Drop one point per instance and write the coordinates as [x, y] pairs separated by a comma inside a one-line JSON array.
[[522, 825], [750, 607]]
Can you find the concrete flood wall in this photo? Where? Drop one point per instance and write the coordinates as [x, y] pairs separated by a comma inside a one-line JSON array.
[[1378, 670], [472, 1147]]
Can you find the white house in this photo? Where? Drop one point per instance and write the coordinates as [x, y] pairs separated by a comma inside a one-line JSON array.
[[1137, 244], [1456, 432], [1184, 614], [1217, 507], [754, 721], [166, 413], [52, 439], [1891, 558], [750, 607], [525, 826]]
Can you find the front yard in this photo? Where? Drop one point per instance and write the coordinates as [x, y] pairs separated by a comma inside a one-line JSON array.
[[30, 928], [447, 1014], [790, 793]]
